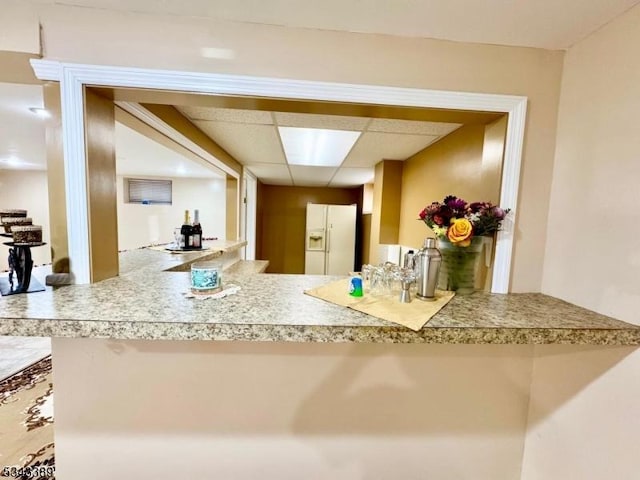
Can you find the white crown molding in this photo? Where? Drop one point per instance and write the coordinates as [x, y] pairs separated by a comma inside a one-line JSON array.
[[76, 76], [47, 70]]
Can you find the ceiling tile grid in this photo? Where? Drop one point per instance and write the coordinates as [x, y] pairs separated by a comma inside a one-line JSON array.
[[411, 127], [247, 143], [253, 138], [312, 176], [330, 122], [271, 173], [372, 147], [232, 115], [352, 177]]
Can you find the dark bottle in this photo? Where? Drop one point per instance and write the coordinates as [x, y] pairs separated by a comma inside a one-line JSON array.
[[197, 230], [186, 232]]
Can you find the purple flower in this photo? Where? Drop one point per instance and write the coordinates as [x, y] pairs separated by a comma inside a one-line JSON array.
[[477, 207], [457, 205], [499, 213]]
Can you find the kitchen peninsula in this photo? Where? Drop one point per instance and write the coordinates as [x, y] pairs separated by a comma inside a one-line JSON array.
[[298, 384], [147, 301]]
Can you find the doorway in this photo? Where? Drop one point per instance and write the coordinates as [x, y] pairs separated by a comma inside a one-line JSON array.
[[74, 78]]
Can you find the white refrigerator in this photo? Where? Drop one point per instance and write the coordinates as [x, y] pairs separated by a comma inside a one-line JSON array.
[[330, 239]]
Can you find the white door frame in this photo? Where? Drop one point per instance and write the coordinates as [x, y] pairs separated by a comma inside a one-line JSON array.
[[248, 218], [73, 78]]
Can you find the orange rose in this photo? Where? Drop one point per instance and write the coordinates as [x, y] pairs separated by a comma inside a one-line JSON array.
[[460, 232]]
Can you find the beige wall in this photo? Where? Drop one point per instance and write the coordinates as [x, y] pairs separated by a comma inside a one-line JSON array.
[[98, 36], [583, 414], [26, 189], [583, 420], [592, 256], [19, 28], [286, 410], [142, 225]]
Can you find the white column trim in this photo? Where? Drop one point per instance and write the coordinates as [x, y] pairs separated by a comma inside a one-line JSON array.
[[509, 196], [75, 175], [78, 75]]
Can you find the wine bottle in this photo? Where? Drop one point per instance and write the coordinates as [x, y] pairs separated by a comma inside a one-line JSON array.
[[197, 230], [186, 232]]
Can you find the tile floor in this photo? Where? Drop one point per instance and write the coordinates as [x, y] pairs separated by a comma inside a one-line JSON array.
[[19, 352]]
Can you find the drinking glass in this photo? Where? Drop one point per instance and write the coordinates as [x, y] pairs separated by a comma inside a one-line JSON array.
[[177, 237], [377, 281], [366, 276], [391, 279]]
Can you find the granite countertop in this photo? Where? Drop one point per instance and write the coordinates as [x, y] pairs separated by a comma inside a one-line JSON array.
[[148, 302]]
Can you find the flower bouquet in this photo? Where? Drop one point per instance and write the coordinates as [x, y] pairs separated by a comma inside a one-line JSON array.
[[460, 227]]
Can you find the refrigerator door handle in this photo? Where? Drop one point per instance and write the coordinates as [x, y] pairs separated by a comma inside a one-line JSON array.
[[328, 240]]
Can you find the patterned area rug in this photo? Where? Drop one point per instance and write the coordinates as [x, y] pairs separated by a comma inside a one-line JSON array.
[[26, 423]]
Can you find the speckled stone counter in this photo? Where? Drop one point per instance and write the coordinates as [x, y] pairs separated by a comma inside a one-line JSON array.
[[147, 302]]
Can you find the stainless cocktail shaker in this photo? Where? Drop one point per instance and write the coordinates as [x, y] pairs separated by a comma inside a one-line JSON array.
[[427, 267]]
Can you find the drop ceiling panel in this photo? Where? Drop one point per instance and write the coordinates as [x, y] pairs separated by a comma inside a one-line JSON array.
[[373, 147], [247, 143], [352, 177], [271, 174], [311, 176], [411, 127], [227, 115], [330, 122]]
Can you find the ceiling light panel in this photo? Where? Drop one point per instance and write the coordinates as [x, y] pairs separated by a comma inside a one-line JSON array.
[[316, 147], [246, 143], [374, 147], [331, 122], [227, 115], [412, 127]]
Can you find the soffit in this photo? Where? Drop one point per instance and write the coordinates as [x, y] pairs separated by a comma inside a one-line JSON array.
[[549, 24]]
